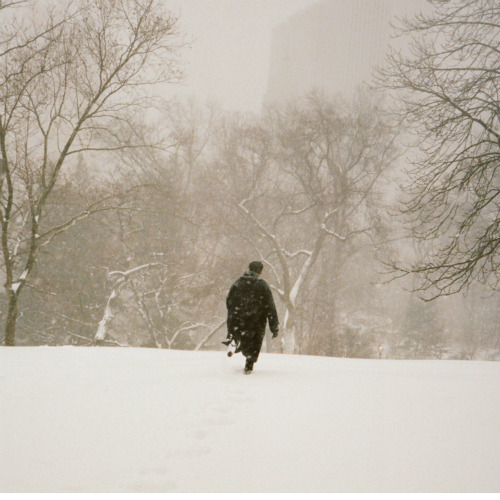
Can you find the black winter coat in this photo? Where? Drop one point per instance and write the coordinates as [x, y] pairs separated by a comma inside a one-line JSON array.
[[249, 305]]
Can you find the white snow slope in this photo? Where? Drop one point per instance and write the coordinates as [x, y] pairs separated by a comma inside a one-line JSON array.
[[144, 420]]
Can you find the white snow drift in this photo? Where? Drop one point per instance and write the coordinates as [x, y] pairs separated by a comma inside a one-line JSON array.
[[141, 420]]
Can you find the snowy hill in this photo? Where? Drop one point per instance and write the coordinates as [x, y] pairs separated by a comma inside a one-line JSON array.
[[140, 420]]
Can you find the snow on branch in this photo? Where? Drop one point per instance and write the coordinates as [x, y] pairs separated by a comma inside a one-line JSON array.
[[107, 317], [15, 251], [256, 221], [81, 337], [102, 328], [185, 327], [210, 334], [16, 285], [332, 233], [126, 274], [292, 255], [329, 231], [274, 241], [52, 233]]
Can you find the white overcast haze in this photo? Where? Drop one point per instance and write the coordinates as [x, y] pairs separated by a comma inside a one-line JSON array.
[[228, 59]]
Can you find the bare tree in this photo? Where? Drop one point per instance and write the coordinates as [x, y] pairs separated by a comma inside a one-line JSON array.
[[302, 181], [336, 153], [447, 86], [163, 222], [64, 80], [122, 278]]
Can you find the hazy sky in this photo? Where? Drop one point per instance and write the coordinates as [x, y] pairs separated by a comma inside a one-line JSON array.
[[229, 57]]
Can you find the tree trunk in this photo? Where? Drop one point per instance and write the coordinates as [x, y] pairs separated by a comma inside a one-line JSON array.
[[10, 324], [102, 329], [288, 339]]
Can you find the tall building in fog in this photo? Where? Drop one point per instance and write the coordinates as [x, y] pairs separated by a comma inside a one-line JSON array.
[[332, 45]]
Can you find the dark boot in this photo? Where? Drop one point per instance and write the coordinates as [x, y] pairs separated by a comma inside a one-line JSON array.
[[248, 366]]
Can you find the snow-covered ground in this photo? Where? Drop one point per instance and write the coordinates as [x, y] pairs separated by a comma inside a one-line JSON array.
[[143, 420]]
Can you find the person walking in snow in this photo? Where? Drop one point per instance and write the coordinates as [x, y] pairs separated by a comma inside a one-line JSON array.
[[250, 305]]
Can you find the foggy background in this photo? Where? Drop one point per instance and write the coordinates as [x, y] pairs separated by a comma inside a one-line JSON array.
[[226, 174]]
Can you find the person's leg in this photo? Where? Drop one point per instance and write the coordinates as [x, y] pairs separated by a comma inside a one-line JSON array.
[[251, 350], [248, 366]]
